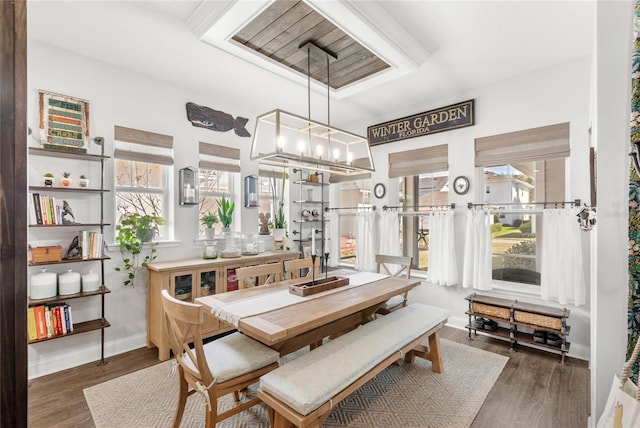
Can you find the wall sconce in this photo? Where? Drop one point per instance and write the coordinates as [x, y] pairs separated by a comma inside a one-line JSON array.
[[251, 191], [635, 157], [188, 191]]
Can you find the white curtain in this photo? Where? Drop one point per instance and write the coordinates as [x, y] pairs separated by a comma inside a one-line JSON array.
[[332, 229], [443, 265], [477, 251], [562, 271], [389, 233], [366, 244]]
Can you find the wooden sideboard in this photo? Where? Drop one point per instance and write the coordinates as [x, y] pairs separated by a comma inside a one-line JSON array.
[[189, 279]]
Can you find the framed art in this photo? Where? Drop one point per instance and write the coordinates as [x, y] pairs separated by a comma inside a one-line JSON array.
[[379, 190], [64, 122]]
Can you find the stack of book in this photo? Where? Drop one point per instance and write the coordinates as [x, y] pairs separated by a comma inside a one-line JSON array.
[[45, 210], [46, 321], [91, 244]]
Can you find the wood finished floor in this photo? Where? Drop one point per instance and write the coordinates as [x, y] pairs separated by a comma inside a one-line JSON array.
[[533, 390]]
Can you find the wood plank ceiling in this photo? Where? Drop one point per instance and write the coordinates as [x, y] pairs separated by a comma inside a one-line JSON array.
[[284, 26]]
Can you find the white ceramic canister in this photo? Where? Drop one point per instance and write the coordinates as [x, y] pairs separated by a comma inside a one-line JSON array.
[[69, 283], [90, 281], [43, 285]]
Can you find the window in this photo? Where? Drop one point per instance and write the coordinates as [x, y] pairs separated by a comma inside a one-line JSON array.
[[143, 178], [356, 194], [266, 186], [420, 193], [423, 183], [219, 170], [521, 169]]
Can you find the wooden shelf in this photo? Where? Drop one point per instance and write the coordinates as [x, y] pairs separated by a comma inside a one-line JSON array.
[[71, 225], [63, 261], [311, 183], [523, 338], [55, 299], [501, 332], [66, 189], [68, 155], [311, 202], [79, 328]]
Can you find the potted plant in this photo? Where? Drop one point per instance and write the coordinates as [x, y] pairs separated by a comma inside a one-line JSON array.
[[48, 179], [209, 220], [131, 234], [279, 221], [83, 181], [66, 181], [225, 212]]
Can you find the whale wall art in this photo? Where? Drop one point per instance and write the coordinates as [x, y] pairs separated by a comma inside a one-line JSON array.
[[206, 117]]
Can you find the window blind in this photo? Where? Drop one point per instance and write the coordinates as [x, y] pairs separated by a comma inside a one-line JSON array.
[[419, 161], [219, 158], [544, 143], [133, 144]]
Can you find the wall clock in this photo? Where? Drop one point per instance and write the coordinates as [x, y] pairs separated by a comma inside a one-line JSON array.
[[379, 190], [461, 185]]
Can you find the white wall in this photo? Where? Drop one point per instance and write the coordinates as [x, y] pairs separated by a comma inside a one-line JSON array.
[[612, 76]]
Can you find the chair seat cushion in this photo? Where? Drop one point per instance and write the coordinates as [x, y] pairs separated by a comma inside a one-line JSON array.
[[393, 302], [234, 355], [312, 379]]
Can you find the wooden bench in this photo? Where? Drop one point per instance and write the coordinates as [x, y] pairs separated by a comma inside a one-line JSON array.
[[303, 392]]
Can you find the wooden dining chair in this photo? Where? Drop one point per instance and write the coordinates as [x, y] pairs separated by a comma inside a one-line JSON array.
[[259, 275], [223, 366], [292, 268], [385, 264]]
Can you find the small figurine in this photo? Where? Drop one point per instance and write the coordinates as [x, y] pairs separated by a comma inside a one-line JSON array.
[[74, 251], [264, 223], [66, 212]]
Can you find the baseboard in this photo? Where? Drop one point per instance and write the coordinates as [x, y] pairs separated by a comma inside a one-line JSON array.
[[577, 350], [87, 354]]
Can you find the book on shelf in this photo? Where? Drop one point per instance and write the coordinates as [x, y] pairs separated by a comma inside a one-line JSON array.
[[32, 330], [36, 211], [41, 322], [49, 321]]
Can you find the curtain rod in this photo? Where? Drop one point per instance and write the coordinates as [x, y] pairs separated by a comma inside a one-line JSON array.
[[451, 206], [575, 203], [373, 208]]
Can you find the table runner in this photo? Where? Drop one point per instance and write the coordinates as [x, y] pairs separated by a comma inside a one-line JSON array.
[[255, 305]]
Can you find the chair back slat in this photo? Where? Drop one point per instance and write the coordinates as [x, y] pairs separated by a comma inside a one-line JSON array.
[[259, 275], [293, 267], [385, 262]]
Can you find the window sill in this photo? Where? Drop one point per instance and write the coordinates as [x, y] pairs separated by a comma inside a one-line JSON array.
[[159, 244]]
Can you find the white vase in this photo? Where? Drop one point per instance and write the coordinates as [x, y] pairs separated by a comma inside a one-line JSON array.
[[209, 232], [279, 233], [83, 182]]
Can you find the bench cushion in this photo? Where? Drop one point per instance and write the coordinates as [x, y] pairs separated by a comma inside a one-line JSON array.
[[234, 355], [311, 380]]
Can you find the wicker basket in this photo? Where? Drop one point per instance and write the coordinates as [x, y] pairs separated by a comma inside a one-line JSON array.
[[538, 320], [490, 311]]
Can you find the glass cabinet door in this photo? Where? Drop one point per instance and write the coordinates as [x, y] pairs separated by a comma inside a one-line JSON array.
[[208, 281], [181, 286]]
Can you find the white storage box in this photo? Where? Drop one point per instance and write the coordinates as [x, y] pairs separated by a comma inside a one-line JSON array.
[[69, 283], [43, 285]]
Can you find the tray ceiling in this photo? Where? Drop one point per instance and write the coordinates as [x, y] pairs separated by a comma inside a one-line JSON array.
[[284, 26]]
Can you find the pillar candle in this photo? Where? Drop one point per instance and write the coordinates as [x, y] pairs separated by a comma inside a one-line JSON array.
[[313, 242]]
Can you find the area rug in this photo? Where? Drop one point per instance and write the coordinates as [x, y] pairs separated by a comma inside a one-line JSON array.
[[408, 395]]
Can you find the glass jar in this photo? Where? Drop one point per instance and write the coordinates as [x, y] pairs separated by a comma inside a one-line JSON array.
[[232, 245], [250, 244], [210, 250]]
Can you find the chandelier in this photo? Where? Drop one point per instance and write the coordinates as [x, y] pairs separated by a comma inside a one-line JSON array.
[[289, 140]]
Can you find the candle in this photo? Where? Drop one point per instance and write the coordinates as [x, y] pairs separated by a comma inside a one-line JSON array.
[[313, 242]]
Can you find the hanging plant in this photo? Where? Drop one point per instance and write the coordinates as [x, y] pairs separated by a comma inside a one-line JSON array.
[[132, 233]]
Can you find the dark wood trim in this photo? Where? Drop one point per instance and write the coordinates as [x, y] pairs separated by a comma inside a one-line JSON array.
[[13, 213]]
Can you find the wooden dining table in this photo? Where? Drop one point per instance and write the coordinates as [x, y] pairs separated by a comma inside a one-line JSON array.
[[286, 322]]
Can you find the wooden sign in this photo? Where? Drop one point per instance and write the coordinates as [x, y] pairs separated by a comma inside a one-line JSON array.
[[64, 122], [441, 119]]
